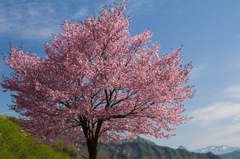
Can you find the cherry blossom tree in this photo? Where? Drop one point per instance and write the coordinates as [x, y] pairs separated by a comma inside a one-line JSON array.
[[98, 83]]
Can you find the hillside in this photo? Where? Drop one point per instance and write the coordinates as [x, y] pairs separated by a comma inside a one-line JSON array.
[[232, 155], [15, 144]]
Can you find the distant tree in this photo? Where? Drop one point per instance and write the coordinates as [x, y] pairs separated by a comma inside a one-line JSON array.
[[98, 83]]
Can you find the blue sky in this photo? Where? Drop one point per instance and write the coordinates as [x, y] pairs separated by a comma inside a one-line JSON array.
[[209, 30]]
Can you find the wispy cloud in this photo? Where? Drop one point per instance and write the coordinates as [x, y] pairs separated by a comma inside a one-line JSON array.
[[25, 20], [82, 12], [33, 19], [232, 92], [220, 122], [149, 5], [217, 135], [198, 70], [216, 113], [38, 19]]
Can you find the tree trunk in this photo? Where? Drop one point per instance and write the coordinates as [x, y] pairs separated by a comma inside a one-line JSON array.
[[92, 148]]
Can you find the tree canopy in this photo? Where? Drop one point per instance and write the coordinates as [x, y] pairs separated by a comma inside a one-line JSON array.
[[98, 83]]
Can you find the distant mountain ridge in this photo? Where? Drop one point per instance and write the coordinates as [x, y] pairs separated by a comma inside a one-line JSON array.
[[217, 150], [142, 148], [138, 150]]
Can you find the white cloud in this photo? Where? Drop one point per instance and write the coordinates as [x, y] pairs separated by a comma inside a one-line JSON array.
[[215, 124], [149, 5], [28, 21], [35, 20], [198, 70], [216, 113], [233, 92], [218, 135], [81, 13]]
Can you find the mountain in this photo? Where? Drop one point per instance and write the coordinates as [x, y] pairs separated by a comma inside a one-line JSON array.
[[143, 149], [137, 150], [217, 150], [138, 139], [232, 155], [181, 147]]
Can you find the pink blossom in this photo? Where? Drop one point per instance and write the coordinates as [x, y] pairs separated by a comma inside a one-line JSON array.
[[98, 82]]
